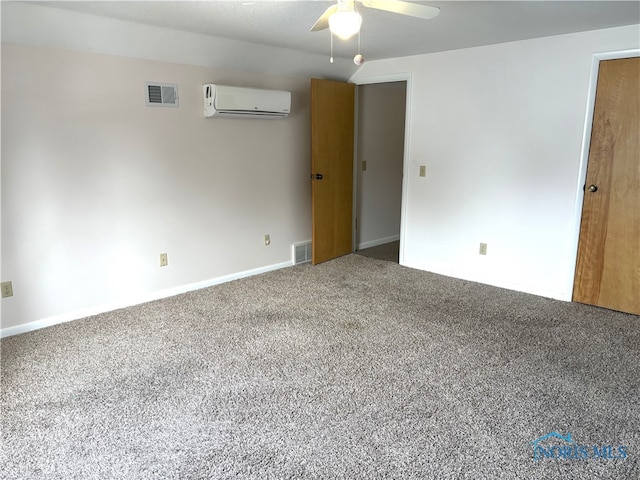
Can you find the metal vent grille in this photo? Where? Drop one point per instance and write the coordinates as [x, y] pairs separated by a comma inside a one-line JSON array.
[[301, 253], [161, 94]]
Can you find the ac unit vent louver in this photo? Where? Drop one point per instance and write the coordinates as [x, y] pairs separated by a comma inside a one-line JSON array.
[[162, 94], [224, 101]]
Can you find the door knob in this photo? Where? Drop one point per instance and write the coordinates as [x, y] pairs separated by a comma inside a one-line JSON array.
[[593, 188]]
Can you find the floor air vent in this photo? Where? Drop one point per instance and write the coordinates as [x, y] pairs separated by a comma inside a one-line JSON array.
[[301, 253]]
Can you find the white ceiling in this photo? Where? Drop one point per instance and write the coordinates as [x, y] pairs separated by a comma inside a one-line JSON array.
[[384, 35]]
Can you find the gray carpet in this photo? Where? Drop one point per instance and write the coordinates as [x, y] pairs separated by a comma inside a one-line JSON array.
[[352, 369]]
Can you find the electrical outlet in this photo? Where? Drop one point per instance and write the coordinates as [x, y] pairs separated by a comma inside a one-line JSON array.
[[164, 261], [483, 249], [423, 170], [267, 240], [7, 289]]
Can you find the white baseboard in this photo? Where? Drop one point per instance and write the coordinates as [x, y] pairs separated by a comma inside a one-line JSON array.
[[379, 241], [488, 280], [144, 298]]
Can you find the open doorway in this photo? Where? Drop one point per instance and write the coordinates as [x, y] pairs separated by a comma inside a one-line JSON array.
[[380, 147]]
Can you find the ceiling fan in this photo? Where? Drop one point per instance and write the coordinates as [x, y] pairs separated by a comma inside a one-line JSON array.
[[344, 20]]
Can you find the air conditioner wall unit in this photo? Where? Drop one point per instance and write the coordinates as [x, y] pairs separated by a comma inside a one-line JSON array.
[[239, 102]]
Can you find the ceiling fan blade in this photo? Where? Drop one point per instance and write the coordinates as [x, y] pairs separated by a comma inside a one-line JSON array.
[[404, 8], [323, 22]]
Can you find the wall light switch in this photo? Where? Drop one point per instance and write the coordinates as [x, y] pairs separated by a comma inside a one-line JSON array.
[[423, 170], [364, 165], [483, 249]]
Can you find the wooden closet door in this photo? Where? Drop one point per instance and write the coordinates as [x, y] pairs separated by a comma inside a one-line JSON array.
[[332, 144]]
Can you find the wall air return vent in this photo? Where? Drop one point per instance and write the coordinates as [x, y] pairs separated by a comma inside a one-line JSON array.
[[301, 253], [161, 94]]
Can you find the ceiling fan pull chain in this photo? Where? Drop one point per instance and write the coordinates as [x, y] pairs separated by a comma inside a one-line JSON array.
[[358, 59], [331, 57]]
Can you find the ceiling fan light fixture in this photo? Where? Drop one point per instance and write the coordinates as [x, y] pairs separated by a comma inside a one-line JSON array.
[[345, 24]]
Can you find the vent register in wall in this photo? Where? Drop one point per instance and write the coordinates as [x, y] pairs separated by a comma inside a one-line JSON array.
[[301, 253], [161, 94]]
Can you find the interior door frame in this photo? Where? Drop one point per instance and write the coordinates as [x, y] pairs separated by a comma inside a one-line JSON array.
[[596, 58], [373, 79]]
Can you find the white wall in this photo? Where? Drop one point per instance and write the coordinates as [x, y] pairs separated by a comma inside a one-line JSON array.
[[95, 185], [380, 142], [500, 130]]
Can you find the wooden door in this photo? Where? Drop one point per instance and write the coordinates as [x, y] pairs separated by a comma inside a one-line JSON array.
[[332, 127], [608, 263]]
